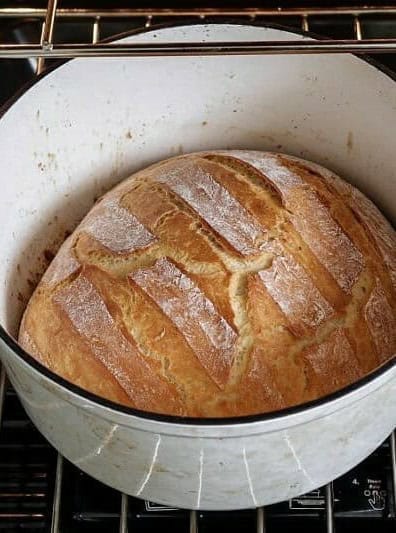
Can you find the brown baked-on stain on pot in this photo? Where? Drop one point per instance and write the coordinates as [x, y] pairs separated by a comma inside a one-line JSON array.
[[48, 255], [219, 284], [350, 141]]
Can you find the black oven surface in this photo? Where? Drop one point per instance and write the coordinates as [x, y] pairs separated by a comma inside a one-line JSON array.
[[40, 491]]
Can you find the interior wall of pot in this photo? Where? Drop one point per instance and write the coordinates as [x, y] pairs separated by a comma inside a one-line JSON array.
[[92, 122]]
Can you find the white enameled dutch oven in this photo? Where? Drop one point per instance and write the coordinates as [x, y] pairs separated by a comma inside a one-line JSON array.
[[90, 123]]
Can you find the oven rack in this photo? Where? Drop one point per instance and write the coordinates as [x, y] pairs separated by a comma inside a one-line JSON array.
[[51, 16]]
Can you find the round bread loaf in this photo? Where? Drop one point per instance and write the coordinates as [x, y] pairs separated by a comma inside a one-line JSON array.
[[220, 284]]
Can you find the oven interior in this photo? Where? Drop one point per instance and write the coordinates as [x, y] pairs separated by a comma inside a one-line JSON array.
[[39, 490]]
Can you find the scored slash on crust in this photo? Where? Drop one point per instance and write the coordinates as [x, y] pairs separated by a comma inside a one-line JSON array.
[[209, 335]]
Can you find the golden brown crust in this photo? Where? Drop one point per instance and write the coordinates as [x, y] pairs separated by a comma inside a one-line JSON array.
[[322, 377], [220, 284]]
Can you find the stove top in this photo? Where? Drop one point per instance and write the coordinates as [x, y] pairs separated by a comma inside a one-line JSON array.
[[40, 491]]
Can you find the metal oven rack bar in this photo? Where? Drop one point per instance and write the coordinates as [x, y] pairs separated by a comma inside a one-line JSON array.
[[46, 49]]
